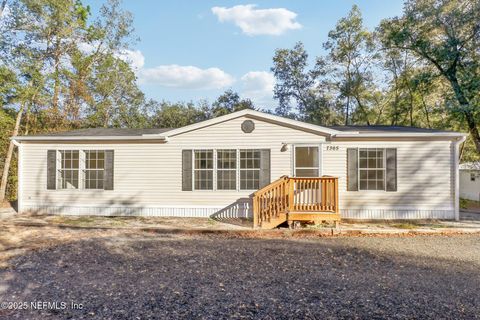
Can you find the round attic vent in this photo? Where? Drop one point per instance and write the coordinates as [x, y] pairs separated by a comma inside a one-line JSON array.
[[248, 126]]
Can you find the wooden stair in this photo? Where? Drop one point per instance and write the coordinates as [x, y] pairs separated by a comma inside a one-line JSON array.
[[296, 199]]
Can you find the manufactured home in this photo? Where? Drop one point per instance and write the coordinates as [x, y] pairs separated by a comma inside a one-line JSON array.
[[244, 164]]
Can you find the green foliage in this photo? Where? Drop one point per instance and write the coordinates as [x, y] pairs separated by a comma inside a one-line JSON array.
[[230, 102], [7, 121], [175, 115], [444, 35], [419, 69], [351, 55]]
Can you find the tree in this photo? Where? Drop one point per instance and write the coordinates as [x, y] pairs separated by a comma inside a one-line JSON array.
[[351, 55], [294, 81], [229, 102], [444, 34], [67, 66], [113, 97], [175, 115]]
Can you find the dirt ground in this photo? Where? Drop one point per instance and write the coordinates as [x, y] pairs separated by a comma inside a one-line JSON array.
[[178, 276], [173, 268], [21, 233]]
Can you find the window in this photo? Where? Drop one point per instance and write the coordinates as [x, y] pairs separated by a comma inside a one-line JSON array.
[[372, 169], [249, 169], [68, 169], [227, 169], [472, 176], [94, 169], [203, 169], [306, 162]]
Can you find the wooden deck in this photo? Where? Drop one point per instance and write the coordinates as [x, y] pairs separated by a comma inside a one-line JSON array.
[[291, 199]]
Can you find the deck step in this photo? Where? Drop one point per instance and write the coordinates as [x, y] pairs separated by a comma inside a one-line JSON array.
[[274, 222]]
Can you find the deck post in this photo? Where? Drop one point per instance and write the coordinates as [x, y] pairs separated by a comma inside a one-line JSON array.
[[335, 188], [291, 194], [255, 211]]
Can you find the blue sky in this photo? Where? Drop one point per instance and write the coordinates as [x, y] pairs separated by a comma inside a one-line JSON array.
[[192, 50]]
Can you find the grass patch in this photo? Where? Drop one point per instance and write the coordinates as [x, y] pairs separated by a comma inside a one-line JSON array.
[[469, 204], [89, 221], [405, 225]]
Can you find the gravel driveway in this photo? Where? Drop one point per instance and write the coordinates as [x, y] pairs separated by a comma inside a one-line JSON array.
[[152, 276]]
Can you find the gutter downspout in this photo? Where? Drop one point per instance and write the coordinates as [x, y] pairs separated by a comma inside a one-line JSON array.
[[456, 163]]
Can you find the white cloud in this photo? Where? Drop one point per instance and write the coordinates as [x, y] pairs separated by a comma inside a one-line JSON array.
[[258, 86], [186, 77], [252, 21], [134, 57]]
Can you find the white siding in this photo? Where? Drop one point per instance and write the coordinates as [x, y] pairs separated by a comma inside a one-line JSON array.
[[148, 176], [424, 181], [470, 189]]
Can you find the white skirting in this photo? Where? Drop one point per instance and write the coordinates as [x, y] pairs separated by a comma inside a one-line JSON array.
[[233, 211], [236, 210], [397, 214]]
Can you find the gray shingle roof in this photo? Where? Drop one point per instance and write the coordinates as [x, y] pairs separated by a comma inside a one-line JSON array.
[[383, 128], [104, 132], [470, 165]]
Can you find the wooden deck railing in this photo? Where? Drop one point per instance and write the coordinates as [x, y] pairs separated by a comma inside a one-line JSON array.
[[299, 195]]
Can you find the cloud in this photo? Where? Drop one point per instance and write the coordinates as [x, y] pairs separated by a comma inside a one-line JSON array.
[[252, 21], [258, 86], [134, 57], [186, 77]]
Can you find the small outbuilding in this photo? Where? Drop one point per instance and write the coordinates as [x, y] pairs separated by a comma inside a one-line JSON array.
[[470, 181]]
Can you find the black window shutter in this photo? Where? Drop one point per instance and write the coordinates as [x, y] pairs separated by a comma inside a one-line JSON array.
[[352, 169], [186, 170], [51, 169], [391, 174], [264, 167], [109, 165]]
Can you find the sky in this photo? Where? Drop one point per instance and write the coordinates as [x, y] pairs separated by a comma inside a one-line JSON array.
[[194, 50]]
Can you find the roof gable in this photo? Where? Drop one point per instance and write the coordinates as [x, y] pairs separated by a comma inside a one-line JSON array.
[[339, 132], [254, 115]]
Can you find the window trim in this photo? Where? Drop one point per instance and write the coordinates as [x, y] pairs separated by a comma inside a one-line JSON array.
[[384, 150], [237, 166], [240, 169], [84, 169], [81, 169], [214, 159], [60, 168], [320, 158], [215, 168]]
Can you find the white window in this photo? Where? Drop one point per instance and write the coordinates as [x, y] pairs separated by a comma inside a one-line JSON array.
[[227, 169], [372, 168], [94, 169], [203, 169], [249, 169], [69, 168], [307, 161]]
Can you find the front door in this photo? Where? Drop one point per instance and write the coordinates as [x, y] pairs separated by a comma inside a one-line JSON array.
[[306, 161]]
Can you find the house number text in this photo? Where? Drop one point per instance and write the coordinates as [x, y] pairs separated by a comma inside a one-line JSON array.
[[332, 148]]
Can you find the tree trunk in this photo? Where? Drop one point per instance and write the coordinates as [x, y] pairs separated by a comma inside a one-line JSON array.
[[8, 158], [2, 7], [347, 110], [425, 108], [465, 107]]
